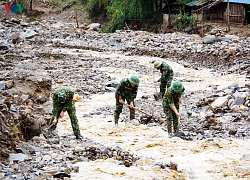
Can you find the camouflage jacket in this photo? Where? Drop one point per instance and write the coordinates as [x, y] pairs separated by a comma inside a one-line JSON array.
[[171, 99], [166, 71], [57, 105], [126, 91]]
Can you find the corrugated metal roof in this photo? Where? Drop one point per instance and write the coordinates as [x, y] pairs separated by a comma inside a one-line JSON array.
[[200, 2], [238, 1], [191, 3]]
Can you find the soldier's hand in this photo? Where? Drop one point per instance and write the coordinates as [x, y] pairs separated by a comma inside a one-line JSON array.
[[121, 101], [178, 114], [155, 81], [131, 105], [55, 121], [61, 114]]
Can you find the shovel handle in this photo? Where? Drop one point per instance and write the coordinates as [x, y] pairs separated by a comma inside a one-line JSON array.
[[50, 126], [139, 110], [179, 121], [154, 82], [142, 111]]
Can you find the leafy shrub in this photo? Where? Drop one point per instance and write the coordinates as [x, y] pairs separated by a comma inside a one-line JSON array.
[[183, 20], [95, 7]]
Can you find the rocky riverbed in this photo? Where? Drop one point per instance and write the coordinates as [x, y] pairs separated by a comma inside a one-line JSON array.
[[38, 57]]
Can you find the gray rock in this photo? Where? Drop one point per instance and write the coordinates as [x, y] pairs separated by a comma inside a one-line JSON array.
[[18, 157], [2, 85], [29, 33], [245, 157], [212, 38], [242, 169], [239, 99], [94, 25]]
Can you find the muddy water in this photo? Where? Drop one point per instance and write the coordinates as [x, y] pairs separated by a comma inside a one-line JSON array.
[[198, 159]]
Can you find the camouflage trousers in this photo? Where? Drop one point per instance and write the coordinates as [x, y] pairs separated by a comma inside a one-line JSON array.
[[118, 111], [171, 120], [165, 83], [163, 88], [71, 110]]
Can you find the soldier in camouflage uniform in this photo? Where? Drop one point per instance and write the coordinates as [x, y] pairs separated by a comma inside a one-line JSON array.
[[171, 101], [166, 75], [126, 90], [63, 101]]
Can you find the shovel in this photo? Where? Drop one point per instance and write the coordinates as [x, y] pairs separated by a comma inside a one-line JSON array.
[[47, 132], [149, 116], [179, 121], [157, 94]]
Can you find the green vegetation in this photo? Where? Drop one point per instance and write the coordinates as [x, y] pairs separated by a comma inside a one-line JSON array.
[[96, 7], [124, 13], [182, 21]]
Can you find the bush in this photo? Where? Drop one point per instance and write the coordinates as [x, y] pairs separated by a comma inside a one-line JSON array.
[[183, 20]]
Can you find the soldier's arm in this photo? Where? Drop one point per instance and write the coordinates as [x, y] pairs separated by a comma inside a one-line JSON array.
[[133, 95], [70, 94], [175, 110], [163, 75], [170, 101], [120, 89], [55, 105]]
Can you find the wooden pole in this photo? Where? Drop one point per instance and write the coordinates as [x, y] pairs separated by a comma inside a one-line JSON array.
[[228, 15], [31, 3], [202, 22], [77, 25]]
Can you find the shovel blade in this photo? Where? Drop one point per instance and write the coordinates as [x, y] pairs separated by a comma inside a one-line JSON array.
[[148, 120], [157, 96]]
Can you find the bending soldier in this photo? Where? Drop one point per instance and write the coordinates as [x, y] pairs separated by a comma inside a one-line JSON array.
[[126, 90], [171, 104], [167, 75], [63, 101]]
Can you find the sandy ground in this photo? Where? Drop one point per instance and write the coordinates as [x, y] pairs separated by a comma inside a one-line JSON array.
[[197, 159]]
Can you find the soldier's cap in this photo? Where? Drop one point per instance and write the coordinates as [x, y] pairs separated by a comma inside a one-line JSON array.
[[135, 80], [157, 64], [62, 96], [177, 87]]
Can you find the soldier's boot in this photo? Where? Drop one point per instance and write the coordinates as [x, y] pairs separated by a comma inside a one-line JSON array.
[[175, 131], [170, 134], [79, 136], [176, 128]]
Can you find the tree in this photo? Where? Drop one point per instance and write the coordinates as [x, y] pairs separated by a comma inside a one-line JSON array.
[[121, 11], [31, 4]]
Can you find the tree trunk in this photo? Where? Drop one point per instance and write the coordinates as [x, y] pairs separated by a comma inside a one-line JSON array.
[[156, 6], [31, 2]]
